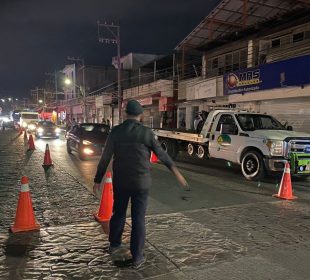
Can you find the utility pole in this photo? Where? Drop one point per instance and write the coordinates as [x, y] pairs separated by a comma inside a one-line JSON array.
[[113, 37], [56, 98], [82, 87]]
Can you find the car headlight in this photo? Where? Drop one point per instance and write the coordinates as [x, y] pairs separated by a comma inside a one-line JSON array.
[[88, 151], [85, 142], [57, 130], [40, 130], [275, 147], [24, 124]]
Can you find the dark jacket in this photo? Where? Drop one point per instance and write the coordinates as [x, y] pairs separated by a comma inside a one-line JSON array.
[[130, 144]]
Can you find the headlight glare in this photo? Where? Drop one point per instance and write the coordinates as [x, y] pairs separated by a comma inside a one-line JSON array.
[[57, 130], [86, 142], [32, 126], [40, 130]]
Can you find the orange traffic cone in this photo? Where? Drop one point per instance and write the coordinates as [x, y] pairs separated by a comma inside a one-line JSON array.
[[154, 158], [31, 143], [105, 210], [285, 190], [24, 219], [47, 163]]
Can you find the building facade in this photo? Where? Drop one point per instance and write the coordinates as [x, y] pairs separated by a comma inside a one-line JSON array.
[[259, 63]]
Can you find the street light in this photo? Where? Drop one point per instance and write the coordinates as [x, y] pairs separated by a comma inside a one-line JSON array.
[[10, 99], [40, 101], [3, 100], [69, 82]]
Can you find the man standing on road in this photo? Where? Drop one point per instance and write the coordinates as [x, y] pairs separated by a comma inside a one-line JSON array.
[[130, 144]]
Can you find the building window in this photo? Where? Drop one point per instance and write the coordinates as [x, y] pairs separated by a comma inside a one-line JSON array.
[[236, 61], [297, 37], [215, 63], [243, 58], [275, 43], [228, 62], [221, 65]]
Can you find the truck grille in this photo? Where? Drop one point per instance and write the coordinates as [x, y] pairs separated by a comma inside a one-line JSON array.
[[299, 146]]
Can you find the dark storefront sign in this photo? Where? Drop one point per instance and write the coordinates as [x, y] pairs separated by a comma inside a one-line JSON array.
[[291, 72]]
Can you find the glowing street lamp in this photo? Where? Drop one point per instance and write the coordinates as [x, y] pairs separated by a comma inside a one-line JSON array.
[[40, 101], [68, 81], [10, 99]]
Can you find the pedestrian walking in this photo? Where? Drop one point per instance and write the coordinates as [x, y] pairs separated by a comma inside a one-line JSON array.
[[130, 144]]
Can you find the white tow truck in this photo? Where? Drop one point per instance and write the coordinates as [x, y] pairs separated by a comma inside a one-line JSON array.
[[257, 142], [28, 120]]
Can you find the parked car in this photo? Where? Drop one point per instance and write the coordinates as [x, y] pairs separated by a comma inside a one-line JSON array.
[[87, 139], [47, 129]]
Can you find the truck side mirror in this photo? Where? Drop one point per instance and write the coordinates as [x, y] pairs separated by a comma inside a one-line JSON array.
[[289, 127]]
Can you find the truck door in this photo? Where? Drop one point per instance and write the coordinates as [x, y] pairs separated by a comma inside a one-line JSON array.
[[224, 138]]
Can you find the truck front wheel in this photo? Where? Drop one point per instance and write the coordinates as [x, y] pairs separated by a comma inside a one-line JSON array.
[[252, 165]]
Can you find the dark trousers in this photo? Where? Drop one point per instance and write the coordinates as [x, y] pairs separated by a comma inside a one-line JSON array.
[[117, 222]]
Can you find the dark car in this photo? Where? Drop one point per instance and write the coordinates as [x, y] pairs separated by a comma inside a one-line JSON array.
[[47, 129], [87, 139]]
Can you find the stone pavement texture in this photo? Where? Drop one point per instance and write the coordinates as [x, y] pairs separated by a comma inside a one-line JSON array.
[[251, 241]]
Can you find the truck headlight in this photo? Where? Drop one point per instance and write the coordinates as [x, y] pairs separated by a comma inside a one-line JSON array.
[[24, 124], [57, 130], [275, 147], [32, 126], [40, 130]]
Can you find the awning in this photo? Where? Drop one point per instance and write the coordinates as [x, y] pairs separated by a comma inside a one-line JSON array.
[[232, 16]]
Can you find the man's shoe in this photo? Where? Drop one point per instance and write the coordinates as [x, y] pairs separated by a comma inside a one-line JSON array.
[[138, 264], [112, 250]]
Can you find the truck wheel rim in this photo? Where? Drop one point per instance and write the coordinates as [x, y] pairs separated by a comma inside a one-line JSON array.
[[251, 165], [190, 149], [200, 152]]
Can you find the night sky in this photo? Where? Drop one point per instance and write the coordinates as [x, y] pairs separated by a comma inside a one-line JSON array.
[[37, 36]]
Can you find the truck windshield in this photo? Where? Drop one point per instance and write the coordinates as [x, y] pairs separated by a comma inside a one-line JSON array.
[[250, 122], [29, 116]]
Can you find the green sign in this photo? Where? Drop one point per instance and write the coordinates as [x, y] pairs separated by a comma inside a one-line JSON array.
[[224, 140]]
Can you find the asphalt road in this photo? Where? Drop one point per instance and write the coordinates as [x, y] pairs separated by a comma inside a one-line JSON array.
[[214, 183]]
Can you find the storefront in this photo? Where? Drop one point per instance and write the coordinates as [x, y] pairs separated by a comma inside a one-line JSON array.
[[77, 113], [278, 89], [196, 95], [103, 108]]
